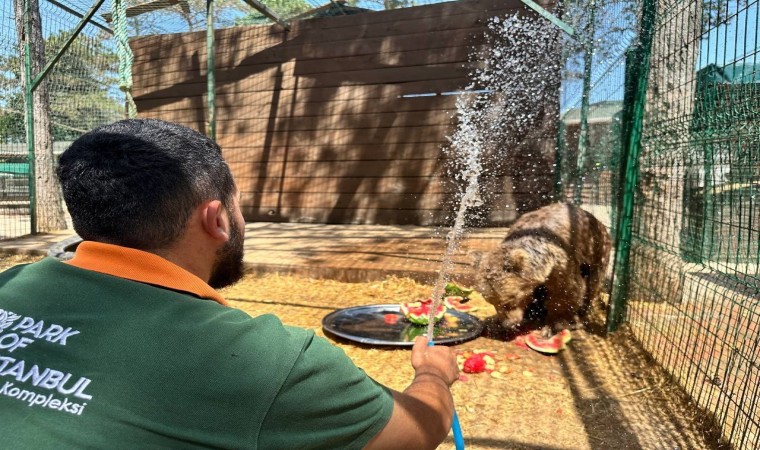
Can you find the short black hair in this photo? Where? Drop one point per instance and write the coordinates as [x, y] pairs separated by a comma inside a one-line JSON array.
[[136, 182]]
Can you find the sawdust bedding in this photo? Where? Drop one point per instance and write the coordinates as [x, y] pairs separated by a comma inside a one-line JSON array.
[[599, 393], [602, 392]]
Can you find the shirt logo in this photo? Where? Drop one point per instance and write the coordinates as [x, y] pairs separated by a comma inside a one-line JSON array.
[[60, 390], [6, 319]]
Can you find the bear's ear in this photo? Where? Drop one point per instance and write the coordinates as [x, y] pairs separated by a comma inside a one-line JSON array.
[[541, 273], [517, 261]]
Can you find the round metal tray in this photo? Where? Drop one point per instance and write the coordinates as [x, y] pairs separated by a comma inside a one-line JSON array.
[[369, 325]]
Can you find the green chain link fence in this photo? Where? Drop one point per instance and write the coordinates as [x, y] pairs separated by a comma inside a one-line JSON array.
[[667, 150], [658, 136], [90, 80], [78, 93]]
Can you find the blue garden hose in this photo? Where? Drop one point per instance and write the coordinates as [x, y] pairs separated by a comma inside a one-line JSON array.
[[455, 427]]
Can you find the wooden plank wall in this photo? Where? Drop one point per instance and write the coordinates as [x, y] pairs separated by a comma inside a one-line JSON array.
[[313, 121]]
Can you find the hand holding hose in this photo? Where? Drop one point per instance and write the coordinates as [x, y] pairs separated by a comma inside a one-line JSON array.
[[437, 361]]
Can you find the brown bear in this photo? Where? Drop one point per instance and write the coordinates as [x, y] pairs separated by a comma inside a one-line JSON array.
[[548, 269]]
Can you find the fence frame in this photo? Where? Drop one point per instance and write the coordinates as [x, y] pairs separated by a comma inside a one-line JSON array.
[[637, 81]]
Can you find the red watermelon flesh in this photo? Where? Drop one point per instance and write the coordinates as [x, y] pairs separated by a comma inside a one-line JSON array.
[[551, 345], [419, 312], [457, 302], [474, 364]]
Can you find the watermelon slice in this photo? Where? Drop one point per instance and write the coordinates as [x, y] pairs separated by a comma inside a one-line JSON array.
[[457, 302], [551, 345], [419, 312], [456, 290]]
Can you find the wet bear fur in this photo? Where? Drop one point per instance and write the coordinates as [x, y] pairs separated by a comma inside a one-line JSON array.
[[547, 271]]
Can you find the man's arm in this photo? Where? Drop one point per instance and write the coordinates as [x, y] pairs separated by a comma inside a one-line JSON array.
[[423, 413]]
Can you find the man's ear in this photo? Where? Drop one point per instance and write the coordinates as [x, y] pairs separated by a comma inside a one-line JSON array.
[[215, 220]]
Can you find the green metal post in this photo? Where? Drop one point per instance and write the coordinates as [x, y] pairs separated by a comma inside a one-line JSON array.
[[629, 95], [617, 308], [210, 74], [49, 66], [583, 140], [706, 243], [558, 154], [28, 89], [550, 17], [126, 58]]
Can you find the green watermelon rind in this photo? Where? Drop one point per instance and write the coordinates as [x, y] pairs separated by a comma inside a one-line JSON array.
[[421, 319], [453, 289]]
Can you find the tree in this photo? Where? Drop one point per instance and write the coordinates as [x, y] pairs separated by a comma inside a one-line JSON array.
[[190, 13], [49, 204], [78, 88], [284, 8]]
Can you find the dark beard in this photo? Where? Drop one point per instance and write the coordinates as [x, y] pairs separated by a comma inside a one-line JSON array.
[[228, 267]]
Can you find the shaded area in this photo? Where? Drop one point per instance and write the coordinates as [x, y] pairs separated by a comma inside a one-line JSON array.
[[600, 393], [342, 120]]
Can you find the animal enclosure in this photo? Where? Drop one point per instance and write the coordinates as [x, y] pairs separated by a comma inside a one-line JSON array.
[[345, 119]]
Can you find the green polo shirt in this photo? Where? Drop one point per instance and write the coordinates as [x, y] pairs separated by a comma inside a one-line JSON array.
[[92, 360]]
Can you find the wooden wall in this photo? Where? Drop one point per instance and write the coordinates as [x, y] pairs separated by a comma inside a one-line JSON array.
[[313, 123]]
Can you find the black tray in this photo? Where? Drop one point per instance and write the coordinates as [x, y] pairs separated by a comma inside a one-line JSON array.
[[368, 325]]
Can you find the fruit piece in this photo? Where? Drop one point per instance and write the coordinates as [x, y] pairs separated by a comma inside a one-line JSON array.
[[474, 364], [391, 319], [457, 302], [551, 345], [451, 321], [419, 312], [454, 289], [565, 336], [477, 361]]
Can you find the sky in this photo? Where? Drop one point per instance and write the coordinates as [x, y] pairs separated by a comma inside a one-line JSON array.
[[735, 40]]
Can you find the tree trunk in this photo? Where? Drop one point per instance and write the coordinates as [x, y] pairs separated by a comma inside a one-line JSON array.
[[49, 201], [669, 108]]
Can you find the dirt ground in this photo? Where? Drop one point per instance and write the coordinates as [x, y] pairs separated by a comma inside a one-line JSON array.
[[599, 393]]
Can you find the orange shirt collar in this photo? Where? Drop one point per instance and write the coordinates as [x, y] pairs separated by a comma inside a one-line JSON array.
[[137, 265]]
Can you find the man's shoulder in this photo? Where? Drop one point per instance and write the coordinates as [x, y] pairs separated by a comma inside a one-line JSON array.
[[35, 269]]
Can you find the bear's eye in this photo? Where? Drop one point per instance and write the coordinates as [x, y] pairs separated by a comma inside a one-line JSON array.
[[509, 268]]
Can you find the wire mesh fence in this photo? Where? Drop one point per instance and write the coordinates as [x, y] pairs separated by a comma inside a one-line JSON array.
[[657, 136], [695, 249], [691, 282], [78, 93]]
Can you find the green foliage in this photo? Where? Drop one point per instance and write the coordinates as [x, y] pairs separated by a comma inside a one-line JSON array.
[[395, 4], [80, 88], [283, 8], [188, 15]]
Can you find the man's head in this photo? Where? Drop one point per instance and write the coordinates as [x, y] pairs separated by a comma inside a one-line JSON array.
[[136, 183]]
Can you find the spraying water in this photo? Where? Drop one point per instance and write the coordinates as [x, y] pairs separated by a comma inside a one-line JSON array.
[[507, 95]]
